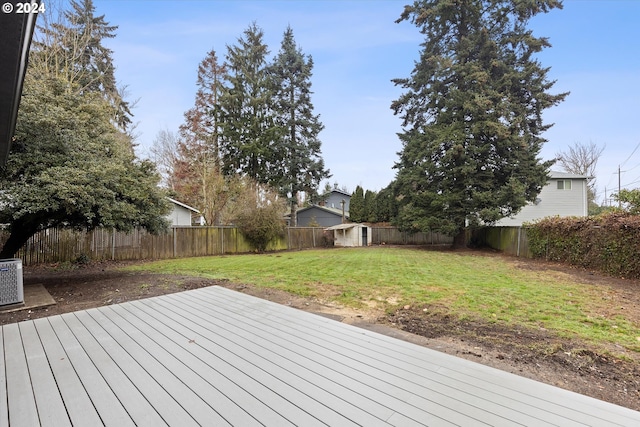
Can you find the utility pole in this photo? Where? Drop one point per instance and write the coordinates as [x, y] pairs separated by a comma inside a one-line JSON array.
[[619, 201]]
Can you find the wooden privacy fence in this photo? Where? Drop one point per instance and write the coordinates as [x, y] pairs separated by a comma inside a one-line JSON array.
[[65, 245], [510, 240], [393, 236]]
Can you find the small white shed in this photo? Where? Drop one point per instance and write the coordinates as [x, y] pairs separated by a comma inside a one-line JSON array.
[[349, 235]]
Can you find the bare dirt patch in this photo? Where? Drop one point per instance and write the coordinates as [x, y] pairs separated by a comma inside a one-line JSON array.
[[535, 354]]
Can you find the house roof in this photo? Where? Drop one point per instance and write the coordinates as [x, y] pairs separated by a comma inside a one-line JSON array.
[[566, 175], [17, 30], [338, 191], [333, 211], [183, 205]]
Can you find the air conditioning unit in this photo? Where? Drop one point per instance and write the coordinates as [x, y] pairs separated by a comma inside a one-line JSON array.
[[11, 290]]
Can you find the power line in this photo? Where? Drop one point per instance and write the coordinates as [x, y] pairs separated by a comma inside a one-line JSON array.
[[630, 155]]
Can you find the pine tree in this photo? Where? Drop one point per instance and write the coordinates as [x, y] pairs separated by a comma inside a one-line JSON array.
[[472, 114], [197, 176], [246, 118], [385, 206], [75, 52], [356, 205], [370, 211], [301, 167]]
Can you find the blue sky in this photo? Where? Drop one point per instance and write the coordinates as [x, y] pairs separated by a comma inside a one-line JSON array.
[[357, 49]]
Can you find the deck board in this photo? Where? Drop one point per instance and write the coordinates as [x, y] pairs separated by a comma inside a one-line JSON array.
[[4, 408], [355, 377], [80, 409], [421, 390], [21, 401], [550, 404], [213, 356], [51, 408]]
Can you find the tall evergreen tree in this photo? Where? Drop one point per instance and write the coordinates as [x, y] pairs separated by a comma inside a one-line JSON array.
[[74, 51], [248, 130], [472, 114], [301, 167], [197, 175], [356, 205], [385, 204], [370, 210]]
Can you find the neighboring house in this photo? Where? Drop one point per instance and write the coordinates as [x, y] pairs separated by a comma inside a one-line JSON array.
[[320, 216], [564, 195], [336, 198], [332, 211], [349, 235], [181, 214]]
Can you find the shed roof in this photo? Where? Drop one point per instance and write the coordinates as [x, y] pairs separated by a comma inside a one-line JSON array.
[[344, 226]]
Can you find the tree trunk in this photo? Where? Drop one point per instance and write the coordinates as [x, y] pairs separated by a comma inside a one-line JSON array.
[[18, 237], [294, 217], [460, 239]]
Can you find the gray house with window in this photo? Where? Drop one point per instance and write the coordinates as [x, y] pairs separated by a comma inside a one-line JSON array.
[[333, 210], [564, 195]]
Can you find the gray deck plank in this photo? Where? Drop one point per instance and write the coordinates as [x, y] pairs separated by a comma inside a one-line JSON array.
[[560, 402], [135, 403], [51, 409], [569, 406], [21, 401], [364, 386], [247, 405], [388, 388], [4, 409], [166, 372], [213, 356], [271, 370], [79, 407], [110, 410], [252, 384], [356, 345], [158, 397]]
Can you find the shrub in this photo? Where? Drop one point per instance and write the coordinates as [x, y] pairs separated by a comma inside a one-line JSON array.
[[260, 225], [609, 242]]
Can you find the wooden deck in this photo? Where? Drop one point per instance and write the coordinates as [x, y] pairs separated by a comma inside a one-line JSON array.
[[215, 357]]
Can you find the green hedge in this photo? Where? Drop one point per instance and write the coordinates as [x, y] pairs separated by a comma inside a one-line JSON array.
[[609, 243]]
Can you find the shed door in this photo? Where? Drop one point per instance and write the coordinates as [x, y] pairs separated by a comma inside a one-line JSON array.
[[365, 240]]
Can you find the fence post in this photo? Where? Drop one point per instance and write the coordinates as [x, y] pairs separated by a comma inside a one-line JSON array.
[[175, 243]]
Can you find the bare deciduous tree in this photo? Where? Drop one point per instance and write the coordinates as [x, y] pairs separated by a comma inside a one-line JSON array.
[[582, 159], [164, 153]]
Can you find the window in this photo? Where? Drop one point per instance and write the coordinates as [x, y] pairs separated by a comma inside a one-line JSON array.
[[564, 184]]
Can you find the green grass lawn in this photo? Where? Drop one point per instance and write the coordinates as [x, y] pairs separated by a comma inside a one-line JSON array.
[[466, 285]]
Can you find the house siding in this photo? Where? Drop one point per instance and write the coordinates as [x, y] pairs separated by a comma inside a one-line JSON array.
[[322, 217], [553, 202], [335, 200]]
